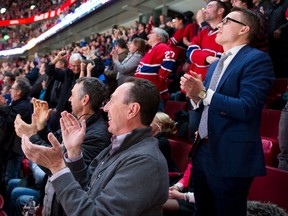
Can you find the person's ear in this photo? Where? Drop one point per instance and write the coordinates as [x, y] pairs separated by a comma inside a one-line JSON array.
[[244, 30], [134, 109], [86, 99]]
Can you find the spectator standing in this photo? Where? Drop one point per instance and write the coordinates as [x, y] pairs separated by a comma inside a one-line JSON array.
[[141, 31], [228, 151], [68, 78], [283, 142], [126, 68], [191, 28], [157, 63], [176, 41], [11, 152], [278, 37], [203, 49]]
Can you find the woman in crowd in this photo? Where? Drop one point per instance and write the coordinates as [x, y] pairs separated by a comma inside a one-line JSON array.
[[181, 200], [162, 127], [128, 66]]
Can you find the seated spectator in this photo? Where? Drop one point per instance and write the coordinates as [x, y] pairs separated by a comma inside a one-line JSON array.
[[181, 199], [131, 173], [87, 97], [21, 190], [162, 127], [137, 49], [10, 144]]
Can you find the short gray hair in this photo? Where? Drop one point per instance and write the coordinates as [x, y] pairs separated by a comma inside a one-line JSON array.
[[162, 34], [74, 57]]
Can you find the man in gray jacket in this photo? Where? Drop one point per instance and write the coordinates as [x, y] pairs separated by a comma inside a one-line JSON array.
[[86, 99], [130, 177]]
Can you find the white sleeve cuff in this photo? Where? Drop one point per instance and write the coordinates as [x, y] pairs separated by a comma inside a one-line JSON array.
[[208, 98]]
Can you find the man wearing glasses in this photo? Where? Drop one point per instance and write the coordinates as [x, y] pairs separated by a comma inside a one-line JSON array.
[[229, 152], [10, 145]]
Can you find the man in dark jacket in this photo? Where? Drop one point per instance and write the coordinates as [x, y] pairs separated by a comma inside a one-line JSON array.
[[10, 144], [68, 77], [86, 99], [130, 177], [33, 74]]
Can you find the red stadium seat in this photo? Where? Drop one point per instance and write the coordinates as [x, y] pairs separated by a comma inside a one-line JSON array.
[[173, 106], [270, 123], [2, 213], [268, 151], [269, 129], [272, 188], [179, 152], [1, 201]]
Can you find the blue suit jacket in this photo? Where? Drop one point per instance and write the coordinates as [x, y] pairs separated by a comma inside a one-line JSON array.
[[235, 114]]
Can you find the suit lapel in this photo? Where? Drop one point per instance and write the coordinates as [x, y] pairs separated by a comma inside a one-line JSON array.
[[233, 65]]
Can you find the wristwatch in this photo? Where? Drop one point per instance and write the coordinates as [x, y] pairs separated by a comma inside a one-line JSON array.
[[202, 94]]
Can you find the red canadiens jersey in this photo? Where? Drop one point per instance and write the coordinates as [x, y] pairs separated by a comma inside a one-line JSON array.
[[156, 65], [177, 45], [203, 45]]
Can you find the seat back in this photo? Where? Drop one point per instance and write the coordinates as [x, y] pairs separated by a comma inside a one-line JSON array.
[[2, 213], [270, 123], [268, 151], [179, 152], [173, 106], [1, 201], [271, 188]]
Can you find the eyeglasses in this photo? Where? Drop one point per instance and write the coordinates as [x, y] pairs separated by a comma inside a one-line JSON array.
[[225, 20]]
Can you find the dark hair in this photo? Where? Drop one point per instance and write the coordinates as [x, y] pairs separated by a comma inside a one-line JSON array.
[[10, 75], [95, 89], [141, 45], [180, 17], [249, 3], [35, 63], [252, 19], [225, 5], [188, 14], [147, 95], [24, 86], [64, 61], [121, 43], [143, 24]]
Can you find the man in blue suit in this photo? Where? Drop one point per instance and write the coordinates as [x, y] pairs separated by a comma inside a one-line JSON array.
[[229, 151]]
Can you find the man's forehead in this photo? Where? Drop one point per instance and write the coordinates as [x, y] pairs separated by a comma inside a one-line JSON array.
[[77, 62], [212, 3]]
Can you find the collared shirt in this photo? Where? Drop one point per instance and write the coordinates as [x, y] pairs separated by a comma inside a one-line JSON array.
[[210, 92], [116, 143]]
